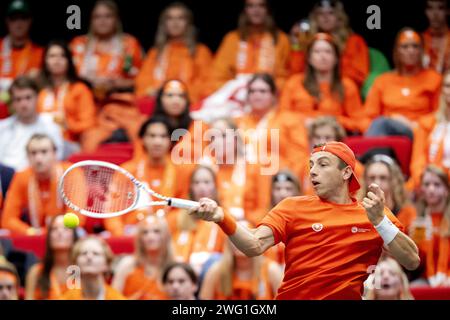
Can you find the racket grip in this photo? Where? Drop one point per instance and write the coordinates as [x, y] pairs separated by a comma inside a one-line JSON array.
[[182, 204]]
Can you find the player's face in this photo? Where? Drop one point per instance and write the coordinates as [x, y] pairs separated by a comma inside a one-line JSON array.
[[326, 19], [8, 288], [152, 236], [256, 11], [260, 97], [446, 89], [389, 282], [203, 185], [92, 259], [18, 26], [103, 21], [433, 189], [61, 238], [56, 61], [322, 56], [322, 135], [41, 155], [176, 23], [326, 177], [24, 103], [409, 53], [174, 101], [156, 140], [436, 13], [379, 173], [179, 285], [282, 190]]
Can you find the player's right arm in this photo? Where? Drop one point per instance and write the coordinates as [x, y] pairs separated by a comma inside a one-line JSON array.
[[252, 242]]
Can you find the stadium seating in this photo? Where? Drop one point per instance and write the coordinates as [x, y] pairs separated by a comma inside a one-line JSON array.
[[116, 153]]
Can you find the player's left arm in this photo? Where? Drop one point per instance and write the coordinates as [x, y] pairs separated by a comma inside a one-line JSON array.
[[399, 245]]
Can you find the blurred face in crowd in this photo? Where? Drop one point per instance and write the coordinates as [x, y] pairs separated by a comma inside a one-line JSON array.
[[18, 26], [203, 185], [152, 234], [446, 88], [387, 281], [156, 141], [326, 19], [224, 142], [56, 61], [282, 190], [176, 22], [61, 238], [323, 134], [41, 156], [379, 173], [436, 14], [24, 103], [260, 96], [104, 21], [409, 53], [92, 258], [8, 286], [256, 11], [322, 56], [174, 100], [179, 285], [433, 189]]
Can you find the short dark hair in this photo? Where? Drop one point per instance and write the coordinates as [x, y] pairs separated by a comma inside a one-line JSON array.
[[267, 78], [24, 82], [341, 163], [40, 136], [155, 119], [186, 267]]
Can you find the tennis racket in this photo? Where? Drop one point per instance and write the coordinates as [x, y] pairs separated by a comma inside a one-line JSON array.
[[101, 189]]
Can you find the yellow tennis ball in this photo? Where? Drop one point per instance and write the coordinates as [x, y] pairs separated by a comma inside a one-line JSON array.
[[71, 220]]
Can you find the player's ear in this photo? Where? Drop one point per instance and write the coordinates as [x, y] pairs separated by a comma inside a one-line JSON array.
[[347, 173]]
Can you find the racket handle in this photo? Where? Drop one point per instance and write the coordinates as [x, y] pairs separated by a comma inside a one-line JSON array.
[[182, 204]]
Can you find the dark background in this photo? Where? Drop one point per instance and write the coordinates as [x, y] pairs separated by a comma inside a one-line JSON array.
[[216, 17]]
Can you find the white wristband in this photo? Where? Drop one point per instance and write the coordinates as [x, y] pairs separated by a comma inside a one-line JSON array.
[[387, 230]]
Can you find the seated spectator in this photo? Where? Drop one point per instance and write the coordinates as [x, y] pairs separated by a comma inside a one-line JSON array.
[[64, 97], [321, 90], [9, 280], [155, 168], [180, 282], [399, 98], [107, 57], [196, 241], [139, 276], [93, 256], [432, 137], [431, 229], [18, 128], [33, 196], [436, 39], [176, 55], [388, 282], [330, 17], [6, 174], [385, 172], [19, 55], [238, 277], [48, 280]]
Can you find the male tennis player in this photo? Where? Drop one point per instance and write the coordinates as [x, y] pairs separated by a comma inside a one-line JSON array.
[[331, 240]]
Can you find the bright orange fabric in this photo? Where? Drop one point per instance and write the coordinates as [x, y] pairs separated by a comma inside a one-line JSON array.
[[349, 112], [230, 61], [325, 257], [125, 64], [138, 286], [77, 114], [18, 201], [354, 62], [413, 97], [23, 60], [437, 57], [406, 216], [175, 62], [77, 294], [56, 289]]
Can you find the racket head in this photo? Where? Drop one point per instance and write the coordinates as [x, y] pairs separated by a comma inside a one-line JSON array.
[[99, 189]]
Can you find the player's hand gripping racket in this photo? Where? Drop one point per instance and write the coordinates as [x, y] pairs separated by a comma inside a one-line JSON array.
[[101, 189]]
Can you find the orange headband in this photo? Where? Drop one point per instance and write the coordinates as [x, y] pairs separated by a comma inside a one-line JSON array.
[[409, 35], [175, 84], [5, 275], [323, 36]]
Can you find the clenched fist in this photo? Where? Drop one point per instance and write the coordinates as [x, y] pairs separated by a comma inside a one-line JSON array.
[[207, 210], [373, 202]]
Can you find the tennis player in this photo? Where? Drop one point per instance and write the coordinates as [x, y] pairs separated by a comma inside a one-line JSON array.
[[332, 241]]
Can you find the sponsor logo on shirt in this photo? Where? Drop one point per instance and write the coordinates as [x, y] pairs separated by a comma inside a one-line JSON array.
[[356, 230], [317, 227]]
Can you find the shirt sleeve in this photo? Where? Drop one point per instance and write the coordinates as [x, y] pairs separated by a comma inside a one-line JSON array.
[[278, 219]]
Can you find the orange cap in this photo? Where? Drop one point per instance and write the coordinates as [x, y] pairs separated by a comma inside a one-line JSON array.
[[323, 36], [409, 35], [342, 151]]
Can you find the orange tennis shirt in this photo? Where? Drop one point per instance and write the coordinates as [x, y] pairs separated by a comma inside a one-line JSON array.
[[329, 247]]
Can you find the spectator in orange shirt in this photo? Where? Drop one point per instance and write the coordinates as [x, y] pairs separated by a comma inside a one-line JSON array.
[[33, 195], [180, 281], [109, 58], [238, 277], [321, 90], [385, 172], [388, 282], [329, 16], [175, 55], [437, 37], [139, 276], [48, 279], [399, 98], [93, 256], [431, 229], [64, 97], [324, 258], [18, 54], [9, 280]]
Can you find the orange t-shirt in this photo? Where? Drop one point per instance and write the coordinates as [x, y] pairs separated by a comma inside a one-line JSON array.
[[406, 216], [140, 287], [77, 294], [19, 61], [56, 289], [436, 56], [329, 247]]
